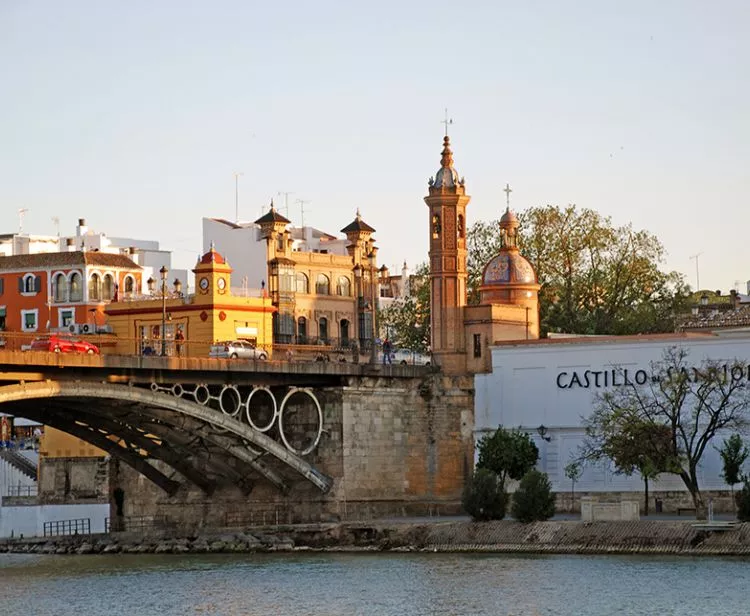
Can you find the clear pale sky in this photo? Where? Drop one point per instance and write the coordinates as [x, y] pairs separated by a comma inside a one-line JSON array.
[[134, 115]]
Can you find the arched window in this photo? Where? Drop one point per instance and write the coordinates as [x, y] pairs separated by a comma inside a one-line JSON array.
[[301, 284], [322, 284], [461, 229], [129, 284], [95, 287], [435, 226], [76, 287], [344, 332], [108, 287], [60, 288], [323, 329], [343, 286], [302, 330], [28, 283]]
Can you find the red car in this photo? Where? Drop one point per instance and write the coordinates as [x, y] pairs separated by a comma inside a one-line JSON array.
[[58, 344]]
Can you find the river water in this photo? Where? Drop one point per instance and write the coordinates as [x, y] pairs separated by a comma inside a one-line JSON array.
[[380, 584]]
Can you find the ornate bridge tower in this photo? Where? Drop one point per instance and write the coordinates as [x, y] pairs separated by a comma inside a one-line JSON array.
[[447, 201]]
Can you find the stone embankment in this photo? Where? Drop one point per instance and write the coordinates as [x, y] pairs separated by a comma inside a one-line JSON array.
[[554, 537]]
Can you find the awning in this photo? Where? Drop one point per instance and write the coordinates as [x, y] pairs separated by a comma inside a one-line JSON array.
[[246, 331]]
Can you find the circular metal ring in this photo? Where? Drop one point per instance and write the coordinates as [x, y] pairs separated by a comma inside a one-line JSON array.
[[311, 448], [275, 409], [155, 387], [230, 390], [177, 390], [202, 395]]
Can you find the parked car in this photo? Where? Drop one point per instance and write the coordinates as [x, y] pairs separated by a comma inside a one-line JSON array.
[[63, 344], [407, 356], [236, 349]]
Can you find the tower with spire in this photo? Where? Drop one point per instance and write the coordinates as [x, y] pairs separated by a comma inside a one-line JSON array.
[[447, 201]]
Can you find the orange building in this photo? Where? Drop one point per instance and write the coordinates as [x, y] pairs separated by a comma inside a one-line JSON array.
[[61, 292]]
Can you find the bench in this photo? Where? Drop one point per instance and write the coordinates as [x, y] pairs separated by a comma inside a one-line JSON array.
[[686, 509]]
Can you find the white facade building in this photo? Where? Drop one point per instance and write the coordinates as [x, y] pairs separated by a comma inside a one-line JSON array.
[[553, 384]]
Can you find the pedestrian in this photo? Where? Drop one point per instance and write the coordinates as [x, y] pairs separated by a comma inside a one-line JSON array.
[[387, 348], [179, 339]]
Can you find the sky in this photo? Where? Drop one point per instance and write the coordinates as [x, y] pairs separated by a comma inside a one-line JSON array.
[[135, 115]]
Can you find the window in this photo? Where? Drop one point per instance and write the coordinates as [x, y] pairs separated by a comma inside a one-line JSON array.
[[76, 287], [2, 286], [66, 317], [477, 345], [2, 317], [29, 319], [29, 284], [323, 329], [95, 287], [108, 287], [343, 287], [435, 226], [344, 330], [461, 230], [129, 284], [301, 284], [322, 284], [60, 288], [302, 330]]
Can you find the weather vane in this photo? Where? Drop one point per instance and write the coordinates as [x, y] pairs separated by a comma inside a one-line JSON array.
[[507, 190], [447, 121]]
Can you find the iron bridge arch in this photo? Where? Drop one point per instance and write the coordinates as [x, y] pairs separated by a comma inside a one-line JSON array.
[[205, 433]]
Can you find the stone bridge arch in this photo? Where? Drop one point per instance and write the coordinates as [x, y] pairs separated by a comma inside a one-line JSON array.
[[204, 445]]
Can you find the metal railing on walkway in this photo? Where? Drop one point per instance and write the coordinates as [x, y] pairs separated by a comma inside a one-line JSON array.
[[136, 523], [81, 526]]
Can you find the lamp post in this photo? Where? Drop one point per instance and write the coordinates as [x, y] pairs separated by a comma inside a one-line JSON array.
[[373, 302], [164, 271]]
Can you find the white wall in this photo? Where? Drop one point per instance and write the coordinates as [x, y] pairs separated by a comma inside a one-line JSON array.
[[29, 521], [241, 246], [533, 385]]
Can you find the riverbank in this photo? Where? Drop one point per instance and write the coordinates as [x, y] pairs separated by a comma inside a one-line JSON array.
[[551, 537]]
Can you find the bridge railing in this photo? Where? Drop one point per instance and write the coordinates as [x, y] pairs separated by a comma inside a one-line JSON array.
[[81, 526], [137, 523], [22, 491]]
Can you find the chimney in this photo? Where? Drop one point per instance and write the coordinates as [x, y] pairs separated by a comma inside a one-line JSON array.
[[70, 245], [81, 229], [734, 299], [133, 254]]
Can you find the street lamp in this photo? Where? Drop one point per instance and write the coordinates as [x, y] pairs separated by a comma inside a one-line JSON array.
[[177, 287], [164, 271], [374, 299]]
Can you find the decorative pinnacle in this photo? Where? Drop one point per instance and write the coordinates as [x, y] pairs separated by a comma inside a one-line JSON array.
[[359, 216], [447, 159]]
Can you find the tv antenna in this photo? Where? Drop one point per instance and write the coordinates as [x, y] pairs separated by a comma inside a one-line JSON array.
[[237, 175], [56, 222], [302, 209], [697, 271], [21, 213], [286, 201]]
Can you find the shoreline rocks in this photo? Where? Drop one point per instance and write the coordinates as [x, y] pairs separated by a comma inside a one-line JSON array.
[[552, 537]]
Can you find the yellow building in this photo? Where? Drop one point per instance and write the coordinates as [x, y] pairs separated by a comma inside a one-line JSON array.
[[58, 444], [167, 322], [323, 299]]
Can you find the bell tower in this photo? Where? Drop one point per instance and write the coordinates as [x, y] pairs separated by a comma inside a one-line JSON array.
[[447, 201]]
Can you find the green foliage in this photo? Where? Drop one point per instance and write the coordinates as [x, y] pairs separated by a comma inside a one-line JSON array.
[[595, 278], [507, 453], [573, 471], [483, 497], [742, 500], [533, 500], [407, 320], [733, 455]]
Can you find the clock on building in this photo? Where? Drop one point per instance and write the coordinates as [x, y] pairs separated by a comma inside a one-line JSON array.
[[221, 283], [203, 283]]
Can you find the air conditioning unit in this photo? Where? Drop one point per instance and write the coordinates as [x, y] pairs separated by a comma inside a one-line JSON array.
[[86, 328], [73, 328]]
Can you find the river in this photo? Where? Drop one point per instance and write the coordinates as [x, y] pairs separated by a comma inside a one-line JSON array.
[[343, 584]]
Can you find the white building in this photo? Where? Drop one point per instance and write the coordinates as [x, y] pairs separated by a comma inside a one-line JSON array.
[[145, 253], [547, 388]]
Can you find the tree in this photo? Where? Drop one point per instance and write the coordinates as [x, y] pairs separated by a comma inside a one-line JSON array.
[[573, 472], [680, 408], [484, 497], [533, 500], [595, 278], [733, 455], [632, 444], [407, 319], [507, 453]]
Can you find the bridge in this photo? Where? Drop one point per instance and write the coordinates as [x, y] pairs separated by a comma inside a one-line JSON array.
[[213, 425]]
